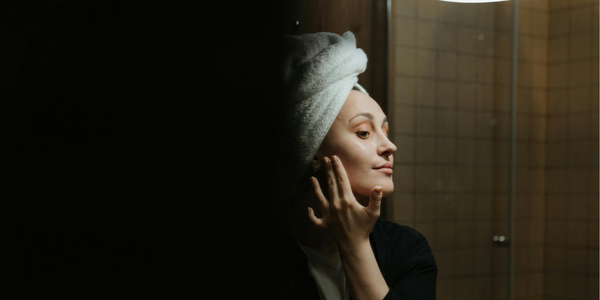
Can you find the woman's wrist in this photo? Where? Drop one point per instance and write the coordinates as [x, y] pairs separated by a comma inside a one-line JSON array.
[[353, 248], [362, 270]]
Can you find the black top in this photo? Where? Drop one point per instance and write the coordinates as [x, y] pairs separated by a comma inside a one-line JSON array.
[[404, 258]]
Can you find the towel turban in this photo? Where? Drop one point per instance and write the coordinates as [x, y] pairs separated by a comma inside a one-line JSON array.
[[320, 70]]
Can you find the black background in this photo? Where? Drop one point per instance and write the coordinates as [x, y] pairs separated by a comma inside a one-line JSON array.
[[137, 149]]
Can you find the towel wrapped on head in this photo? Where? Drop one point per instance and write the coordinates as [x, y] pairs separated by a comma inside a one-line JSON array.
[[320, 70]]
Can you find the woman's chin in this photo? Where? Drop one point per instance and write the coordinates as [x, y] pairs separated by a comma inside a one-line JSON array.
[[388, 189], [387, 192]]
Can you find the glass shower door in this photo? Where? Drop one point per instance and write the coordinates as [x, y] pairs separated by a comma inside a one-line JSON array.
[[450, 94]]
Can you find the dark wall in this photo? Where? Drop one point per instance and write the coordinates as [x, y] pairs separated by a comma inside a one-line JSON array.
[[136, 146]]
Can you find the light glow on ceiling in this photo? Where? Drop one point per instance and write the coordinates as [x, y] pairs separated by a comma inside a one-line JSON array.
[[473, 1]]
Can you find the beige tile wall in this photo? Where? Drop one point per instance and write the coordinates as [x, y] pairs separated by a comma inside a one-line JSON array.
[[449, 110], [571, 244]]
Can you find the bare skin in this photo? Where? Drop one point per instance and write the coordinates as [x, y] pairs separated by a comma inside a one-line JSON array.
[[343, 204]]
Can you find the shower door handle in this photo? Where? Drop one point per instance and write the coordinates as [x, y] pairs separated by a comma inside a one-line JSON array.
[[500, 240]]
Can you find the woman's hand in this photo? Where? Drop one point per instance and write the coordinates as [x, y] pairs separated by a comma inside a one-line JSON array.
[[344, 218]]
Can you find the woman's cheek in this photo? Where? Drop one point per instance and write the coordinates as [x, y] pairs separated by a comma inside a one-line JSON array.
[[359, 181]]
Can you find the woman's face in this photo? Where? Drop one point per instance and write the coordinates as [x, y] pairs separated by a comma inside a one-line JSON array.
[[358, 136]]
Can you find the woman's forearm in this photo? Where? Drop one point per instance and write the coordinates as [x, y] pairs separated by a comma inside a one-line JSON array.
[[362, 272]]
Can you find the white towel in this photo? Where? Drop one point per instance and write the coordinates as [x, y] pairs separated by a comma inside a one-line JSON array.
[[320, 70]]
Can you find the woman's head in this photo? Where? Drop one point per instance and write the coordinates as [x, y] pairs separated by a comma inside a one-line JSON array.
[[358, 136], [319, 71]]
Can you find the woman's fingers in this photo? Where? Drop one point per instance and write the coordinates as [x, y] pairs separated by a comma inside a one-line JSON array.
[[319, 222], [343, 184], [323, 204], [334, 198], [374, 207]]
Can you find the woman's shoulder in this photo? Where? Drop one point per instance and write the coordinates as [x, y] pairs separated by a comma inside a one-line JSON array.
[[392, 230], [402, 249]]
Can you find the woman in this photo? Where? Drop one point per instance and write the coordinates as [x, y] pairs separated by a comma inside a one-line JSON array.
[[344, 250]]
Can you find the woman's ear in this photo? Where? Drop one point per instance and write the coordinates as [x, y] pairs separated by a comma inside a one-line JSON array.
[[315, 164]]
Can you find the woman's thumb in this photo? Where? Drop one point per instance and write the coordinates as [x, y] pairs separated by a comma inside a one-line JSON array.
[[375, 201]]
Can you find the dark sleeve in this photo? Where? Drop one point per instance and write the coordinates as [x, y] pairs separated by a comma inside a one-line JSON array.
[[419, 281], [413, 271]]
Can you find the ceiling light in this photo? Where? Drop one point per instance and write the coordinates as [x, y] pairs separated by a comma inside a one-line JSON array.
[[473, 1]]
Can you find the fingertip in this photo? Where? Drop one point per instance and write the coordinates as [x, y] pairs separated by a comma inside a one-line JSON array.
[[313, 218], [314, 180]]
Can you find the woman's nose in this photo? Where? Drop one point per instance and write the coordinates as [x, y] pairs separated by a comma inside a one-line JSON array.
[[388, 148]]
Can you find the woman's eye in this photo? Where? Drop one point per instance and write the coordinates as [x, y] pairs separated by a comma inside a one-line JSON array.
[[362, 134]]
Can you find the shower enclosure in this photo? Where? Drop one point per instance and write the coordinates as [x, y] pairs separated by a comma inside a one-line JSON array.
[[494, 110]]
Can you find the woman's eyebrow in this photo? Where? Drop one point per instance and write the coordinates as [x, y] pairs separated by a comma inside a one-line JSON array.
[[368, 115]]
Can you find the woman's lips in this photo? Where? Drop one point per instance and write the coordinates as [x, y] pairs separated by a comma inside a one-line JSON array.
[[385, 170]]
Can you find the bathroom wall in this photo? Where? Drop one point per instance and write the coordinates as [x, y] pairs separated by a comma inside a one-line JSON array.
[[449, 107], [571, 242], [442, 108]]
